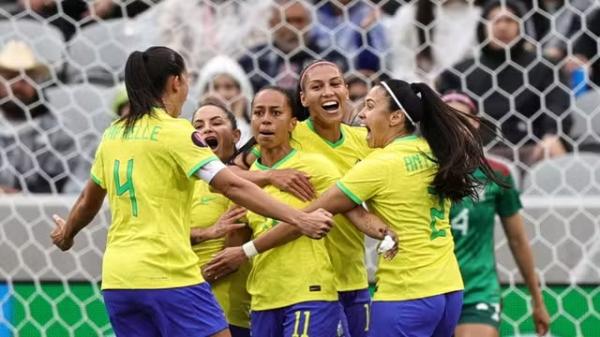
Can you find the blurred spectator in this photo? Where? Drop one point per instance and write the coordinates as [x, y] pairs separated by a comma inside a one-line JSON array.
[[518, 91], [293, 46], [223, 78], [67, 15], [120, 104], [33, 148], [427, 37], [352, 27], [586, 52], [555, 23], [202, 29]]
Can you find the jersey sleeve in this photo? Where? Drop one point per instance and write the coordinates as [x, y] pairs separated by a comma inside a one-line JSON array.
[[97, 171], [364, 180], [508, 202], [188, 150], [360, 140]]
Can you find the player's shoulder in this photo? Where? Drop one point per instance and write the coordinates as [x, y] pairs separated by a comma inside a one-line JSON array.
[[356, 134]]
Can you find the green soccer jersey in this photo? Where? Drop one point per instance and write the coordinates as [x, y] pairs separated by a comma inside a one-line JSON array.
[[473, 231]]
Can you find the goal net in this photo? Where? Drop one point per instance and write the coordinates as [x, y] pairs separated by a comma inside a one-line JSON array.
[[72, 54]]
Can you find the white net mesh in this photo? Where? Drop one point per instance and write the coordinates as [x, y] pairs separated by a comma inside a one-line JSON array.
[[48, 134]]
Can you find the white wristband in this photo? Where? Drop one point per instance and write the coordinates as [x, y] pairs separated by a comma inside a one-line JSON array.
[[249, 249]]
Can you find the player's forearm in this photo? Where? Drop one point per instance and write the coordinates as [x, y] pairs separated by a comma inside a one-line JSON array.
[[367, 223], [199, 235], [519, 246], [277, 236], [260, 178], [82, 213], [250, 196]]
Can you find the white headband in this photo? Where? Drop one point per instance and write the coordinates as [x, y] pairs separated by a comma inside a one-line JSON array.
[[387, 88]]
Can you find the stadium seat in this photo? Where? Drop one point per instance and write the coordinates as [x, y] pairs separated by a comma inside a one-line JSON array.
[[46, 41], [97, 54], [575, 174]]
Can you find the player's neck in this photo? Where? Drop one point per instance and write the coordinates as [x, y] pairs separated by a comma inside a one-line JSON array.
[[172, 107], [331, 132], [270, 157], [395, 135]]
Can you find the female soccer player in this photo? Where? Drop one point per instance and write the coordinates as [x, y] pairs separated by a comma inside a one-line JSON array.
[[150, 280], [410, 182], [473, 231], [323, 95], [292, 286], [213, 216]]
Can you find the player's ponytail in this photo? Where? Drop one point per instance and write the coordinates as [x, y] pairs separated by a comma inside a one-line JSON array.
[[454, 142], [146, 74]]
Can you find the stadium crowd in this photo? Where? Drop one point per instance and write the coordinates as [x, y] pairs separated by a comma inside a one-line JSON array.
[[527, 85]]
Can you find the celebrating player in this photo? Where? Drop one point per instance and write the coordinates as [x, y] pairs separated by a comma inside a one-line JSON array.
[[214, 218], [323, 94], [473, 231], [150, 280]]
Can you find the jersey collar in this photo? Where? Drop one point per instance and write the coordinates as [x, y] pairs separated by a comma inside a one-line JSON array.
[[309, 123], [277, 164]]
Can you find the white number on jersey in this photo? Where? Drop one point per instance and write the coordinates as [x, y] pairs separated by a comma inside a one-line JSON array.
[[461, 221]]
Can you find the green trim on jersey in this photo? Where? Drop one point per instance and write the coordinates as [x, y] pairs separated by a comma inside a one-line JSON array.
[[97, 180], [277, 164], [348, 193], [198, 166], [337, 143]]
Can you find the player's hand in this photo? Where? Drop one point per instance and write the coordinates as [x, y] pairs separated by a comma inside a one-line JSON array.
[[541, 319], [58, 235], [224, 263], [293, 181], [390, 253], [315, 224], [227, 223]]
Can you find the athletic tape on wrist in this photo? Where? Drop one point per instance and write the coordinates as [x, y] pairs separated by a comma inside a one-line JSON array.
[[249, 249]]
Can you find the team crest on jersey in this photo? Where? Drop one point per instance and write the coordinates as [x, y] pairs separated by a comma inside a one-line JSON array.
[[196, 139]]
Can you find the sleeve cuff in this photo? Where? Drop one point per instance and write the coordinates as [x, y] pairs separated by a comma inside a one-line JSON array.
[[200, 165], [348, 193], [97, 181]]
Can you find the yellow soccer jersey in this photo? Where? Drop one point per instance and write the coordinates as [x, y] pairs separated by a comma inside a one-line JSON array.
[[149, 179], [301, 270], [230, 291], [345, 242], [395, 182]]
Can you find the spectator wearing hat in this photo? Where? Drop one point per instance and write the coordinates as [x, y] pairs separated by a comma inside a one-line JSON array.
[[35, 152]]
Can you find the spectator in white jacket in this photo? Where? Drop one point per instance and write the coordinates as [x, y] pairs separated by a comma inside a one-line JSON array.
[[428, 37]]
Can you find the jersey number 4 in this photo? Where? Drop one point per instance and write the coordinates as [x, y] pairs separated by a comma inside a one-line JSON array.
[[127, 187], [460, 223]]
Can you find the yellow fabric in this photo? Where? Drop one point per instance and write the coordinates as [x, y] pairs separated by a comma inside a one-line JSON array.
[[301, 270], [345, 242], [395, 182], [147, 176], [230, 291]]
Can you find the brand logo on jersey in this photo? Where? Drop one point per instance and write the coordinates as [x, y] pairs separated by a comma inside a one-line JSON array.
[[197, 140], [314, 288]]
